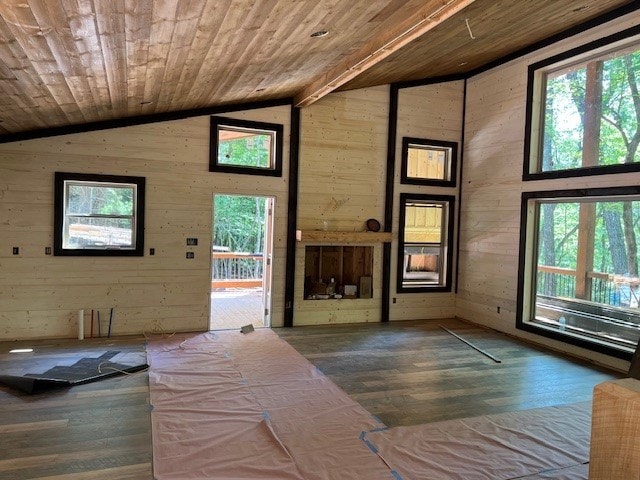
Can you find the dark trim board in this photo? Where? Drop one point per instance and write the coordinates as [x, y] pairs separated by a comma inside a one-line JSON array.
[[431, 81], [392, 132], [59, 212], [292, 215], [167, 116], [432, 182], [141, 120], [589, 24], [527, 174], [521, 324], [456, 275], [275, 128], [426, 197]]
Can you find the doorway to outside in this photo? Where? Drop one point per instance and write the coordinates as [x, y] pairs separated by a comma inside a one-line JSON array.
[[241, 258]]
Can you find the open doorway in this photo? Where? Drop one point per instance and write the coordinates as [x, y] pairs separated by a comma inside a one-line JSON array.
[[241, 259]]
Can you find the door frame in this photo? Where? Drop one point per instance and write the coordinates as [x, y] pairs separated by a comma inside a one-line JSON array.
[[267, 265]]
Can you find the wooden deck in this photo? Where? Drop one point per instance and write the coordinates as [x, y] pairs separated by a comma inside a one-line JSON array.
[[233, 308]]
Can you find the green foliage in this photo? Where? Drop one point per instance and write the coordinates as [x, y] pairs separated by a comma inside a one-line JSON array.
[[250, 151], [238, 223], [565, 111], [565, 218], [98, 200]]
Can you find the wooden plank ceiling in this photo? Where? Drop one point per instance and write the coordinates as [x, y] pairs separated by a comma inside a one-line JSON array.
[[73, 62]]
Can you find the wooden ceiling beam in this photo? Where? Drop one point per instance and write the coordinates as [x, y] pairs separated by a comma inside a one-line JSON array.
[[380, 47]]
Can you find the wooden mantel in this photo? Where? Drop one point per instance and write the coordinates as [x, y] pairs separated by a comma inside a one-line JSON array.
[[327, 236]]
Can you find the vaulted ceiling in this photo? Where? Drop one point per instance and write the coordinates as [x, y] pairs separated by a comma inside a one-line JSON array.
[[75, 62]]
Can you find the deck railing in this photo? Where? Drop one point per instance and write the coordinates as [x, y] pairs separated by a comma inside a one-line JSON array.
[[236, 269], [607, 289]]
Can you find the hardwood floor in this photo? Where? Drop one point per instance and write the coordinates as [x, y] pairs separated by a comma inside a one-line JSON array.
[[406, 373], [409, 373], [93, 431]]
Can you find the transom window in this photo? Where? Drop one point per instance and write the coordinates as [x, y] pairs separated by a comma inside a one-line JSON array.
[[428, 162], [584, 110], [240, 146], [98, 214], [425, 247], [580, 275]]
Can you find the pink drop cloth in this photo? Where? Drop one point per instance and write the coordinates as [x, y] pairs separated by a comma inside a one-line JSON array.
[[232, 406], [538, 444]]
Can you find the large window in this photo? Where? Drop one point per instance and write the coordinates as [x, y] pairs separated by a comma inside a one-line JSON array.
[[584, 112], [240, 146], [425, 246], [579, 273], [98, 214]]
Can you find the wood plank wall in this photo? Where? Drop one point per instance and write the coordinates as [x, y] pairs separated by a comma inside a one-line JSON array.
[[492, 185], [431, 112], [41, 294], [342, 174]]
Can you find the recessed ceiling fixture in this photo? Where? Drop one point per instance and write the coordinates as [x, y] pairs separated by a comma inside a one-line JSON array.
[[319, 33], [462, 64], [21, 350], [579, 9]]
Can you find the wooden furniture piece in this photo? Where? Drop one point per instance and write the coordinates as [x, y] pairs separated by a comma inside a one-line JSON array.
[[615, 430]]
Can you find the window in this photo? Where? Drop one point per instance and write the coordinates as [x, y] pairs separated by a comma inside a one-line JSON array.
[[425, 247], [584, 109], [98, 215], [240, 146], [579, 273], [428, 162]]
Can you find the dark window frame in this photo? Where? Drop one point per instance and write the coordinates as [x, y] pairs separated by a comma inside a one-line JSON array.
[[533, 90], [526, 324], [452, 167], [420, 197], [60, 178], [278, 130]]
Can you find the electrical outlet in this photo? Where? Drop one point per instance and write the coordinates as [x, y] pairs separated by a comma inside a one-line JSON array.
[[152, 251], [16, 250], [47, 250], [393, 300], [191, 255], [192, 241], [498, 308]]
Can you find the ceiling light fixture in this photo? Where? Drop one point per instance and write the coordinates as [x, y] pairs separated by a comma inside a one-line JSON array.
[[21, 350], [579, 9], [319, 33], [462, 64], [145, 102]]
